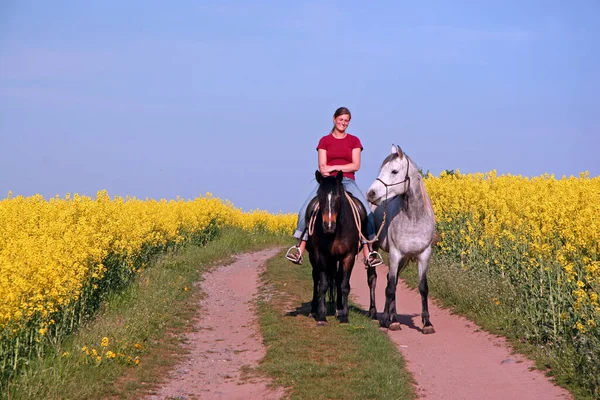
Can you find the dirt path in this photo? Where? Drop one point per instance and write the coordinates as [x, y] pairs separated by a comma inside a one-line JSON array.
[[459, 361], [227, 338]]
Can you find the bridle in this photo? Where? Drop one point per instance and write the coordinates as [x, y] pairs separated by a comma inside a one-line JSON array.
[[387, 185], [406, 178]]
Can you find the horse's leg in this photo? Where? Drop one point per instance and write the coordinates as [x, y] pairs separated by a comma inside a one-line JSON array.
[[332, 289], [344, 287], [424, 289], [339, 277], [323, 286], [395, 321], [372, 281], [389, 318], [315, 300]]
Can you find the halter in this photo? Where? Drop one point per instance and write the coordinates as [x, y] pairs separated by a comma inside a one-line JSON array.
[[406, 178]]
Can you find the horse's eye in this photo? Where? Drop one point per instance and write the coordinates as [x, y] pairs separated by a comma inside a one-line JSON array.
[[394, 172]]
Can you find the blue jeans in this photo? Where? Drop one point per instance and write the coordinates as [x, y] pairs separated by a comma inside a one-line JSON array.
[[350, 186]]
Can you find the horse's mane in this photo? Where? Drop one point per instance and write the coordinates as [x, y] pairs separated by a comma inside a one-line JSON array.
[[390, 157], [393, 156]]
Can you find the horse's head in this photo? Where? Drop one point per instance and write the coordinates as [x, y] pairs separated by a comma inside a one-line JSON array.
[[330, 194], [393, 179]]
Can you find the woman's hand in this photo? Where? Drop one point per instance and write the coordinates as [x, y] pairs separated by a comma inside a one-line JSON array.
[[326, 170]]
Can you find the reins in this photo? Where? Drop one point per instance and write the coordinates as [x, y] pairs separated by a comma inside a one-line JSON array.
[[355, 214], [313, 218]]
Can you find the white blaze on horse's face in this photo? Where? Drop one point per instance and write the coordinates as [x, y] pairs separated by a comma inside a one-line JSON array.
[[328, 213]]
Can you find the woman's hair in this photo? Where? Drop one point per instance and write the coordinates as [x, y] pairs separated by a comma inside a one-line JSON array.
[[338, 112]]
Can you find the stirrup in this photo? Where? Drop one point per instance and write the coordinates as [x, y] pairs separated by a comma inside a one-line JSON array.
[[293, 254], [376, 261]]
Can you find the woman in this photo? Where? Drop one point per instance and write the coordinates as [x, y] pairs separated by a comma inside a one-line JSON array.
[[338, 151]]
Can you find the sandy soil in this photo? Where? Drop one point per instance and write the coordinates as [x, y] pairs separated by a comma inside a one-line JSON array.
[[226, 338], [459, 361]]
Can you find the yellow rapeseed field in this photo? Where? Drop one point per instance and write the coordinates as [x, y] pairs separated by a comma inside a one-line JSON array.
[[53, 252], [539, 235], [526, 227]]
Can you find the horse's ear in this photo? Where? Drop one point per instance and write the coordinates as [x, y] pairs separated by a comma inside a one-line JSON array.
[[318, 176], [394, 151], [340, 176], [399, 151]]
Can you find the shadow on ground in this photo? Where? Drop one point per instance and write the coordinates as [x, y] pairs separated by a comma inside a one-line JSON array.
[[406, 320]]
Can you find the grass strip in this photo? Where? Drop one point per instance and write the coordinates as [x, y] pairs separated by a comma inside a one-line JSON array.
[[137, 335], [337, 361], [493, 306]]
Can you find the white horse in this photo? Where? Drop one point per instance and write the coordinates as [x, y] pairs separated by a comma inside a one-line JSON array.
[[409, 231]]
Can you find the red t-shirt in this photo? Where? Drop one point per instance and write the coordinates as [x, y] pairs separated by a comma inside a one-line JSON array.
[[339, 151]]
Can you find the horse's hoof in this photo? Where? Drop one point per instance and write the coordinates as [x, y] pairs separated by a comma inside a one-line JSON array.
[[428, 329], [322, 323], [395, 326]]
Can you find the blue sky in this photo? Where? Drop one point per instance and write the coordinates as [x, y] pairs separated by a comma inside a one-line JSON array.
[[159, 99]]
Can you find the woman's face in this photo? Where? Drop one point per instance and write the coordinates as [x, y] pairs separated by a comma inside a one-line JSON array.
[[341, 122]]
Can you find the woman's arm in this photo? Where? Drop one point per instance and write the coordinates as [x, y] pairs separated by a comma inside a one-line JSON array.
[[327, 169], [323, 168]]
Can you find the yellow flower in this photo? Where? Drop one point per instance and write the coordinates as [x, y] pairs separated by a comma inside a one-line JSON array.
[[110, 354], [104, 342]]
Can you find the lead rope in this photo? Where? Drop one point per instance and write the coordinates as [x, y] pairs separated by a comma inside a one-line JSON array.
[[355, 214], [358, 223]]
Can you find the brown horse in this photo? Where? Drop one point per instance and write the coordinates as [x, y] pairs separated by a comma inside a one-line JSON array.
[[334, 241]]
